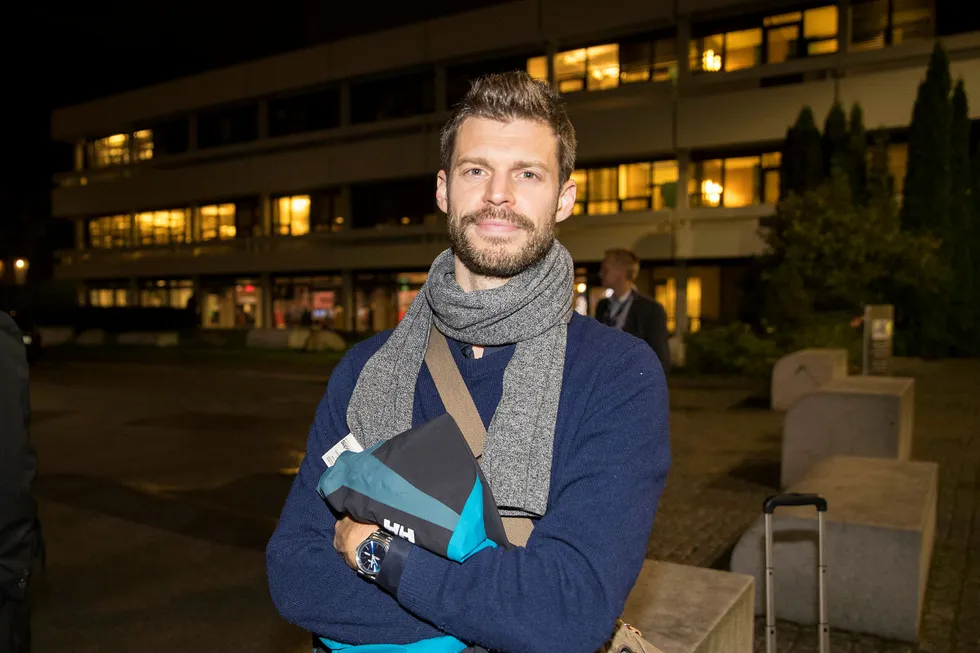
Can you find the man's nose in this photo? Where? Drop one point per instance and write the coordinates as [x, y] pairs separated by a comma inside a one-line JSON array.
[[500, 191]]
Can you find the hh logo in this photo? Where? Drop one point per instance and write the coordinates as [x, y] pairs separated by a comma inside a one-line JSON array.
[[400, 531]]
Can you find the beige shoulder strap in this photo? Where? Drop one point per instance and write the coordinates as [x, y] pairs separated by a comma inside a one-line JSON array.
[[459, 403]]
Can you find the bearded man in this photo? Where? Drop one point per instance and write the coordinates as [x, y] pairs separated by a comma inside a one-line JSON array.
[[576, 415]]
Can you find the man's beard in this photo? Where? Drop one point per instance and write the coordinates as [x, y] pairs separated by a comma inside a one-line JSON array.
[[494, 260]]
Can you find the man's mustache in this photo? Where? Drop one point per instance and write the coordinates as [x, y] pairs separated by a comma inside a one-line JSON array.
[[499, 215]]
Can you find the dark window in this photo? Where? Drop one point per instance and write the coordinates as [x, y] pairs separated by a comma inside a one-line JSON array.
[[248, 218], [303, 113], [395, 97], [228, 126], [458, 78], [879, 23], [170, 137], [393, 203], [326, 213]]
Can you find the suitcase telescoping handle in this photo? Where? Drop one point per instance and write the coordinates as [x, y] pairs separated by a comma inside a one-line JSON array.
[[768, 507]]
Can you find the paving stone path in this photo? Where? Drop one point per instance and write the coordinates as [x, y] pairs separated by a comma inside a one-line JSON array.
[[726, 449]]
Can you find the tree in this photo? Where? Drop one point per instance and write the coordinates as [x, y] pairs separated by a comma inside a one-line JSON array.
[[835, 140], [802, 156], [926, 200], [925, 206], [958, 239], [832, 254], [857, 155]]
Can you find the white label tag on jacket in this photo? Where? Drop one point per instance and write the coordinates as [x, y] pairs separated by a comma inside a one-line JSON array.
[[348, 443]]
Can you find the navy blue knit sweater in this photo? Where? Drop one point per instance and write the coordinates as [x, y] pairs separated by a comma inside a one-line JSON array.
[[564, 591]]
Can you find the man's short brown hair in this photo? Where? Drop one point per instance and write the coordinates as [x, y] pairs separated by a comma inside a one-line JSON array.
[[627, 259], [510, 96]]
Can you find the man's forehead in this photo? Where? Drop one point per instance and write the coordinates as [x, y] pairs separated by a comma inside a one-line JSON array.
[[515, 136]]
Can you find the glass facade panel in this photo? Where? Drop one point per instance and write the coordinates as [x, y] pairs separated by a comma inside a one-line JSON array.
[[570, 70], [163, 227], [110, 231], [603, 190], [143, 144], [218, 222], [581, 178], [743, 49], [603, 67], [740, 186], [291, 216], [537, 67], [109, 151]]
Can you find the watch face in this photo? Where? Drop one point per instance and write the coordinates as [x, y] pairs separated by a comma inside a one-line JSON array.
[[369, 556]]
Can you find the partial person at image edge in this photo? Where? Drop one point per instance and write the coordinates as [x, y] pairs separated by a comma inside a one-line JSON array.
[[630, 310], [20, 537], [576, 413]]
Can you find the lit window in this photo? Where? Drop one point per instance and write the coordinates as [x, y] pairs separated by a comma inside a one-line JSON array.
[[109, 151], [736, 181], [666, 296], [537, 68], [218, 222], [628, 187], [634, 186], [143, 144], [820, 30], [581, 178], [740, 181], [743, 49], [110, 231], [603, 67], [665, 176], [570, 70], [595, 68], [163, 227], [603, 191], [292, 216]]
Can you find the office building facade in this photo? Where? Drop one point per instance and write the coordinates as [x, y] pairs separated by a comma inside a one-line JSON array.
[[301, 187]]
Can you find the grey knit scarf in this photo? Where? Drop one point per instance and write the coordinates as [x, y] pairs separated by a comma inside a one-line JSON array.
[[531, 310]]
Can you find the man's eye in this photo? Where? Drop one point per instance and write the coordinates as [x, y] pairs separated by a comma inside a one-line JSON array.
[[527, 174], [474, 172]]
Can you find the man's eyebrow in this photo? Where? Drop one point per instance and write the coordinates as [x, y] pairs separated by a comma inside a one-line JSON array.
[[532, 164], [473, 160], [518, 165]]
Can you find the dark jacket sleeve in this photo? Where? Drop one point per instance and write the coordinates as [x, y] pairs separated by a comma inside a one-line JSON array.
[[19, 533], [657, 335]]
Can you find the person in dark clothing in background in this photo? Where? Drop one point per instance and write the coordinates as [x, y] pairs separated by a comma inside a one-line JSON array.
[[20, 537], [627, 309]]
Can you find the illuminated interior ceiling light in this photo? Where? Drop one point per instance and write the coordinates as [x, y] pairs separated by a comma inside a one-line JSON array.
[[338, 220], [580, 288], [711, 61], [406, 220], [574, 56], [711, 191], [20, 264], [299, 203]]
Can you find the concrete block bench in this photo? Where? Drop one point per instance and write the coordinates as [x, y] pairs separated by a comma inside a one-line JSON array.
[[805, 370], [277, 338], [686, 609], [55, 336], [149, 338], [854, 416], [91, 338], [880, 528]]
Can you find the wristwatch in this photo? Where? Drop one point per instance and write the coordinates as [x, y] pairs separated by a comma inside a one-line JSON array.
[[371, 553]]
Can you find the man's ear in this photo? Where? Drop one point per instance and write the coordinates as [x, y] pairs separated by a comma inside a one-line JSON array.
[[442, 192], [566, 200]]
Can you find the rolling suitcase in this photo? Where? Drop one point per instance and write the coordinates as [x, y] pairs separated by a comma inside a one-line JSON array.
[[768, 507]]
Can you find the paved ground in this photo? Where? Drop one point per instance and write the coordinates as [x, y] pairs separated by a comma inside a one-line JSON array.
[[161, 483]]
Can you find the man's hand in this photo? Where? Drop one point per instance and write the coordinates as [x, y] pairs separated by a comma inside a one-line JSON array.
[[348, 535]]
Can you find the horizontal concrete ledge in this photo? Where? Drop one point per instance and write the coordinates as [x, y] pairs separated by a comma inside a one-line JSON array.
[[295, 338], [149, 338], [880, 528], [803, 371], [852, 416], [686, 609]]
